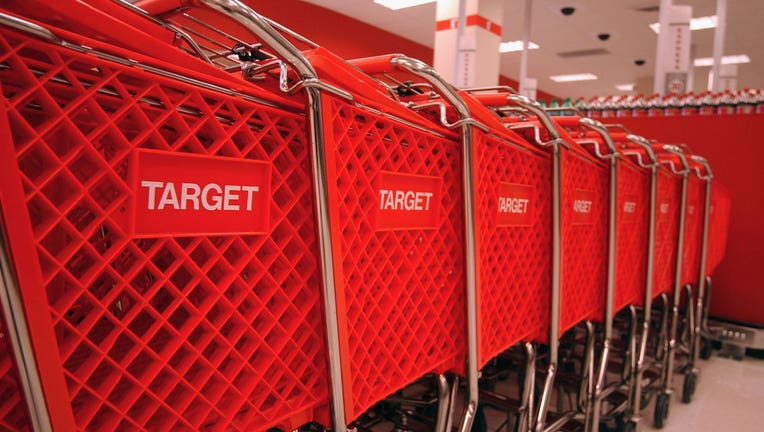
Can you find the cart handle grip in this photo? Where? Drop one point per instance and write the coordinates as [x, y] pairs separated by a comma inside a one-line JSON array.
[[30, 28], [645, 144], [262, 28], [671, 148], [600, 129], [390, 62], [703, 161], [499, 96]]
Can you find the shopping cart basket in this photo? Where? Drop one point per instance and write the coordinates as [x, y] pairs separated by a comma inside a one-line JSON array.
[[144, 312], [580, 201]]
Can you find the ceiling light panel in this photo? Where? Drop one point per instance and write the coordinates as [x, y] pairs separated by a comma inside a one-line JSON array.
[[573, 77], [625, 87], [401, 4], [513, 46], [731, 59]]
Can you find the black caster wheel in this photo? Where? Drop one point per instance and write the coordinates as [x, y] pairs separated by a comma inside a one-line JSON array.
[[629, 426], [688, 388], [661, 410], [480, 424], [706, 348]]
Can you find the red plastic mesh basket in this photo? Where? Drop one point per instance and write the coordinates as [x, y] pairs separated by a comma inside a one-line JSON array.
[[668, 200], [513, 256], [400, 290], [693, 229], [632, 218], [584, 239], [13, 408], [173, 333]]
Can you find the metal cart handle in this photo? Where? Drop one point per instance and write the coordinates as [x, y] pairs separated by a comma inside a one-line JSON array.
[[30, 28], [387, 63], [671, 148], [703, 161], [602, 130], [641, 141], [645, 145], [261, 28], [508, 96]]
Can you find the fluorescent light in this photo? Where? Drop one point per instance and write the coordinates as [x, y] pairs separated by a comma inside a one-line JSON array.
[[732, 59], [573, 77], [625, 87], [513, 46], [400, 4], [699, 23]]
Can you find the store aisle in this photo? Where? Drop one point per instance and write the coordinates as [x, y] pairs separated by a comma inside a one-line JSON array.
[[729, 397]]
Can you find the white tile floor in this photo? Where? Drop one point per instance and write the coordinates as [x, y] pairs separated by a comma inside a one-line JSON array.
[[729, 397]]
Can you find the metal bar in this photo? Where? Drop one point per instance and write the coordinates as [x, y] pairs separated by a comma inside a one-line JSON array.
[[525, 414], [470, 270], [554, 320], [699, 311], [721, 28], [639, 370], [677, 285], [452, 404], [315, 116], [35, 30], [443, 392], [178, 32], [21, 345]]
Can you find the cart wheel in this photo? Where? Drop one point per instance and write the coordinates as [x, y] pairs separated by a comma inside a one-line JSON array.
[[706, 348], [688, 388], [480, 424], [661, 410], [629, 426], [604, 427]]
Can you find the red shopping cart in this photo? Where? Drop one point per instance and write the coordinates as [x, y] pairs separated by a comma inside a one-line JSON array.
[[580, 204], [395, 312], [143, 311]]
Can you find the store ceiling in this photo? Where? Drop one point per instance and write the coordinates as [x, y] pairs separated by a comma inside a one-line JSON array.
[[625, 21]]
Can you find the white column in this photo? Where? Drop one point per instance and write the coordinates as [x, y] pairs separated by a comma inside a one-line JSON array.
[[727, 78], [672, 62], [721, 27], [468, 56], [524, 55]]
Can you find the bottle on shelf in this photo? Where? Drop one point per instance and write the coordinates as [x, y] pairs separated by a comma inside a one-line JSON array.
[[707, 104], [671, 105], [688, 105]]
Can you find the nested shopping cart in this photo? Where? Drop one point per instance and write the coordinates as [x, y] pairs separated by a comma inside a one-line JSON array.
[[673, 158], [162, 239], [631, 225], [395, 227], [699, 201], [580, 247], [512, 187]]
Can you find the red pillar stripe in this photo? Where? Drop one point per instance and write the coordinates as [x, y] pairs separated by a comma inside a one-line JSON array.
[[472, 20]]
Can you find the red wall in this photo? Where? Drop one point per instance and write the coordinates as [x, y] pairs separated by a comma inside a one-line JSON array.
[[348, 37], [734, 148]]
